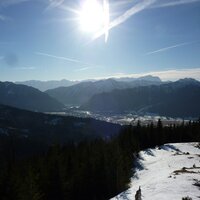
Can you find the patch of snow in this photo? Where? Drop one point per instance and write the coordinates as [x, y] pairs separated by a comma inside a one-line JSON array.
[[168, 172]]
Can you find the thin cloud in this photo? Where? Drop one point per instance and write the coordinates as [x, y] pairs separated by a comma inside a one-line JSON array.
[[175, 3], [165, 75], [176, 74], [129, 13], [170, 47], [1, 57]]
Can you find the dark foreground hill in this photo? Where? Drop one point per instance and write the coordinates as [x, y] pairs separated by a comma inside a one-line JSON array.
[[25, 97], [177, 99], [52, 128], [95, 169]]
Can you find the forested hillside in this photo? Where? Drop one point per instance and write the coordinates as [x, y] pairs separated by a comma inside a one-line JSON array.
[[176, 99]]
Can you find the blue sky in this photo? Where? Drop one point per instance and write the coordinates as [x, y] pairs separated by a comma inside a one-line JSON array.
[[42, 40]]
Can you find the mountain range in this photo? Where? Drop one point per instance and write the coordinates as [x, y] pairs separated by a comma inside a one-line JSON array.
[[148, 78], [25, 97], [80, 93], [52, 84], [176, 99], [47, 85], [140, 95]]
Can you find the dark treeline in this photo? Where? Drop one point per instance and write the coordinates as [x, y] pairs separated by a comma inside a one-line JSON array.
[[94, 170]]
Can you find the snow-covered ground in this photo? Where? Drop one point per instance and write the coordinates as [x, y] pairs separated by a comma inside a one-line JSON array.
[[169, 172]]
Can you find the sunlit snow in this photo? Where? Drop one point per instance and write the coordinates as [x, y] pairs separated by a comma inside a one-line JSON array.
[[169, 172]]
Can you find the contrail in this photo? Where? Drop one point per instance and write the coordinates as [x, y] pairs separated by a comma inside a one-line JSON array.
[[175, 3], [121, 3], [82, 69], [25, 68], [62, 58], [138, 8], [121, 19], [170, 47]]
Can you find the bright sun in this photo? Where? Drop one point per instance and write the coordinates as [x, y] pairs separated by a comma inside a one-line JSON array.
[[94, 16]]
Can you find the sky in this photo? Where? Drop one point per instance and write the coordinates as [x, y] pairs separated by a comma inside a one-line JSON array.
[[43, 40]]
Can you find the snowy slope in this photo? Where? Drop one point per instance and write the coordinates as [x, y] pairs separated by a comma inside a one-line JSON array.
[[158, 175]]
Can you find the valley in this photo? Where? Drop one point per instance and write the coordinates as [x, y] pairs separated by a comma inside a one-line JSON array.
[[123, 118]]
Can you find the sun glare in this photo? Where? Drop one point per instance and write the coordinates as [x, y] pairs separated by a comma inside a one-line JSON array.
[[91, 16], [94, 16]]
